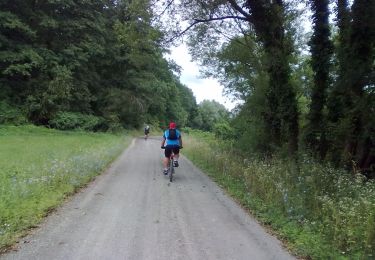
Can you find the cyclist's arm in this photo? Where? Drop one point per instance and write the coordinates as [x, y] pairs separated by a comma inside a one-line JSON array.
[[163, 141]]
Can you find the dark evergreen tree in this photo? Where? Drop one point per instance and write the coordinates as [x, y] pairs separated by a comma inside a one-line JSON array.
[[281, 116], [337, 97], [351, 102], [321, 52], [20, 61], [360, 138]]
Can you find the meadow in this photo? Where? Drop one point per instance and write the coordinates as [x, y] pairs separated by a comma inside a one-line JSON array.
[[318, 211], [40, 167]]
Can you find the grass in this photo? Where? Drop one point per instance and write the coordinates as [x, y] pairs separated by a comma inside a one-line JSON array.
[[39, 167], [321, 212]]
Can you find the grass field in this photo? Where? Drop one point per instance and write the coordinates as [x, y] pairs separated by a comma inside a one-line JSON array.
[[39, 167]]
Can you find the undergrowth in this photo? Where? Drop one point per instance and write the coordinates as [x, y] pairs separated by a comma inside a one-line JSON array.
[[322, 212]]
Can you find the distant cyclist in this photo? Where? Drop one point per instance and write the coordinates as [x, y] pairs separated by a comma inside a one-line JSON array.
[[172, 142], [147, 131]]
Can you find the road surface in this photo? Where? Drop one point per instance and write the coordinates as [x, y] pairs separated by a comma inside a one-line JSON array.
[[133, 212]]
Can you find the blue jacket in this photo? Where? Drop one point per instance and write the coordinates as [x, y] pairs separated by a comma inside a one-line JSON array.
[[169, 142]]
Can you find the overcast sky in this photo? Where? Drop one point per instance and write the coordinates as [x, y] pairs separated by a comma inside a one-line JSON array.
[[202, 88]]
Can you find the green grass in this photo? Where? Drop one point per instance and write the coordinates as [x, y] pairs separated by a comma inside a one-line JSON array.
[[39, 167], [320, 212]]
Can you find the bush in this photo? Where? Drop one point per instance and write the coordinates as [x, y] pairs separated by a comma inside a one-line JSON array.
[[11, 115], [186, 130], [111, 123], [71, 121], [223, 130]]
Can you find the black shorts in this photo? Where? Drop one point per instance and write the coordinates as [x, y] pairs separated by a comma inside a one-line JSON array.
[[168, 150], [147, 132]]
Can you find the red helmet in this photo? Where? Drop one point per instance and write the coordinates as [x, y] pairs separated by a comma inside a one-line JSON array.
[[172, 125]]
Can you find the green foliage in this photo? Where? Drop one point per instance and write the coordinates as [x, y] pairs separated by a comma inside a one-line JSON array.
[[252, 45], [55, 96], [17, 58], [224, 131], [39, 167], [238, 70], [239, 41], [97, 58], [11, 115], [321, 52], [322, 212], [21, 63], [210, 113], [352, 96], [250, 128], [71, 121]]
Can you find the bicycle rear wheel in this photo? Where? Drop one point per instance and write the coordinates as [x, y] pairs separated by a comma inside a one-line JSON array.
[[171, 170]]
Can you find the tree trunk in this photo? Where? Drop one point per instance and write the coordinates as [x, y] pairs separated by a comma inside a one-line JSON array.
[[268, 19]]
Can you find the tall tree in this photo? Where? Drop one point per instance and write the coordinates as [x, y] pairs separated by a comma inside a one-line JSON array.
[[360, 141], [282, 117], [351, 102], [337, 97], [321, 52], [19, 61]]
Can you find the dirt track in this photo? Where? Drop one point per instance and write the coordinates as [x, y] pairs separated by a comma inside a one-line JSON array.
[[132, 212]]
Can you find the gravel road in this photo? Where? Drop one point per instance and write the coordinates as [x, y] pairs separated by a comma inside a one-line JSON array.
[[133, 212]]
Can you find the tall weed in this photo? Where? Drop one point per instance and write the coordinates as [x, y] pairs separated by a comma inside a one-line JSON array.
[[323, 212]]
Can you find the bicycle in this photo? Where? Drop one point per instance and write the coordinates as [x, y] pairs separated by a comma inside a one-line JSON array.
[[171, 165], [147, 132]]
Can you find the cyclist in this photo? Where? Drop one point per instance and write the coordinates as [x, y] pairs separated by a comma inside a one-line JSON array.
[[147, 131], [172, 142]]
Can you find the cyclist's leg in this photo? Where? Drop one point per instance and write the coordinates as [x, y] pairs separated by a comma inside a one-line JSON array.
[[176, 151], [167, 154]]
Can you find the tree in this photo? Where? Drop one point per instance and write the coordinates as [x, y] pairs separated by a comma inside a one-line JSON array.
[[95, 57], [19, 60], [66, 39], [267, 19], [351, 101], [321, 51], [360, 139], [241, 69], [210, 113]]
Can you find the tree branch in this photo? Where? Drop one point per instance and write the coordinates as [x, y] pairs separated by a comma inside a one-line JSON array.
[[239, 9], [168, 5], [197, 21], [221, 18]]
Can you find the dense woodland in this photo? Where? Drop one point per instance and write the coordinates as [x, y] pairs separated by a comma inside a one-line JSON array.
[[92, 64], [100, 65]]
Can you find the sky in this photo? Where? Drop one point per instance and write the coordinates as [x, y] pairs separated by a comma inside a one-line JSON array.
[[203, 88]]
